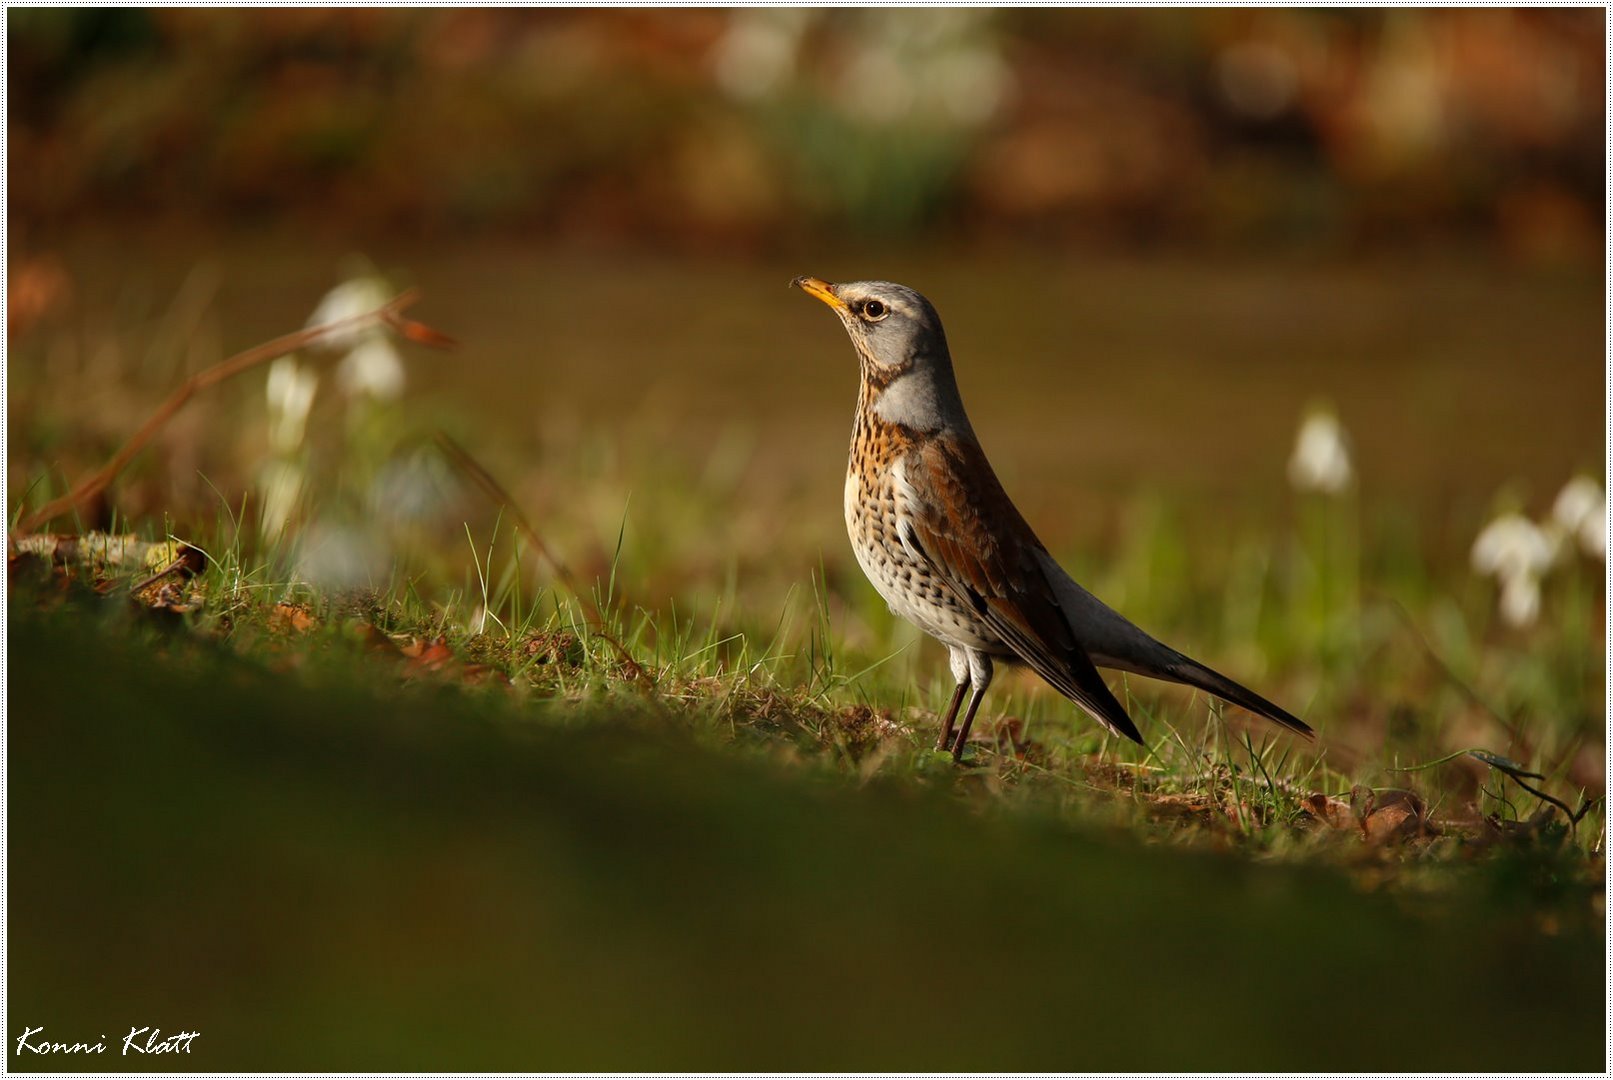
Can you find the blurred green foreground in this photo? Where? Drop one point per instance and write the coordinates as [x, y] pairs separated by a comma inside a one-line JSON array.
[[335, 881]]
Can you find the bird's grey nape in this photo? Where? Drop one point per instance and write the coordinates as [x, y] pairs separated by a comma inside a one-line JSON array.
[[914, 400]]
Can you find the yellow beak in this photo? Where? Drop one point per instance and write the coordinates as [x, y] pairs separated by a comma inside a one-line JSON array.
[[821, 289]]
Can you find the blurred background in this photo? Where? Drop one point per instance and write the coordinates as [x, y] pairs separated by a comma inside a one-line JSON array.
[[745, 130], [1207, 218], [1162, 242]]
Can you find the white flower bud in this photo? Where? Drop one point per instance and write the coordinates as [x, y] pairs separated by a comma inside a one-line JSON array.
[[1581, 510], [1321, 458]]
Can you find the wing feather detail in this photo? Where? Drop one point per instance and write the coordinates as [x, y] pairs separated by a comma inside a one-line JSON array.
[[981, 549]]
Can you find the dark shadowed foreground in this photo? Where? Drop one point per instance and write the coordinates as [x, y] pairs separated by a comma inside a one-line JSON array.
[[428, 880]]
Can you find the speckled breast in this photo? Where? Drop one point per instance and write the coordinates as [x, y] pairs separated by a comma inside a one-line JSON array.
[[874, 511]]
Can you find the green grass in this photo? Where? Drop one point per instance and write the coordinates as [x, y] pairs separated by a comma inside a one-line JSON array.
[[324, 876], [437, 817], [791, 688]]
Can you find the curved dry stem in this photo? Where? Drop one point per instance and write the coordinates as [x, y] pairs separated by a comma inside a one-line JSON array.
[[388, 314]]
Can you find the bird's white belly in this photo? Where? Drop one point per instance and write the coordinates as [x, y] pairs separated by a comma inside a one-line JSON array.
[[905, 582]]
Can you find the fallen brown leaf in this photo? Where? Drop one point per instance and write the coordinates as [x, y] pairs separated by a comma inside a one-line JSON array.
[[294, 618], [1334, 813], [430, 655]]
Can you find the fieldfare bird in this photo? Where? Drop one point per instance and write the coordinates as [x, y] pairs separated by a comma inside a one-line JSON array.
[[941, 541]]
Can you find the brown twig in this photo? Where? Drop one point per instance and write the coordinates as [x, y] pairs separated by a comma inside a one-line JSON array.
[[1505, 767], [189, 559], [1519, 775], [388, 314], [1573, 817]]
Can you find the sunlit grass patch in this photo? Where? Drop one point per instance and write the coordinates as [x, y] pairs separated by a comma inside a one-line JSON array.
[[603, 578], [790, 688]]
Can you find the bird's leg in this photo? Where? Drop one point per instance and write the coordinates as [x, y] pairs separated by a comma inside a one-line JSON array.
[[968, 722], [963, 673], [945, 742], [980, 679]]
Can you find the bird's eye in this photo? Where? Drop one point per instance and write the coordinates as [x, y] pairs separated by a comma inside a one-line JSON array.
[[873, 311]]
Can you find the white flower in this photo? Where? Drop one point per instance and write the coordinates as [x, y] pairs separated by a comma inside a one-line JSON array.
[[372, 366], [1517, 552], [1593, 535], [291, 389], [1581, 511], [282, 488], [352, 298], [1321, 458], [1520, 600], [1512, 546]]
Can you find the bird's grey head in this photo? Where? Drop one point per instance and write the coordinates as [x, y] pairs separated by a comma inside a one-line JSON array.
[[906, 368], [893, 328]]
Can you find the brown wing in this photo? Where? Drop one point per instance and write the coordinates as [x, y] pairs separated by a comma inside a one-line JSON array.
[[977, 544]]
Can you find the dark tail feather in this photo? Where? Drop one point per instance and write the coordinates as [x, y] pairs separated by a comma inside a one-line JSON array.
[[1094, 695], [1189, 671], [1113, 641]]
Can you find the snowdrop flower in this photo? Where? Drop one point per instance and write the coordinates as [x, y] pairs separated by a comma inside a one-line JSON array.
[[1581, 512], [282, 488], [1520, 600], [1321, 458], [291, 389], [1517, 552], [354, 297], [372, 367], [1512, 545]]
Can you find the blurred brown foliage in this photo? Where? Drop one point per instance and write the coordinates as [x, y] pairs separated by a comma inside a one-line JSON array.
[[749, 126]]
